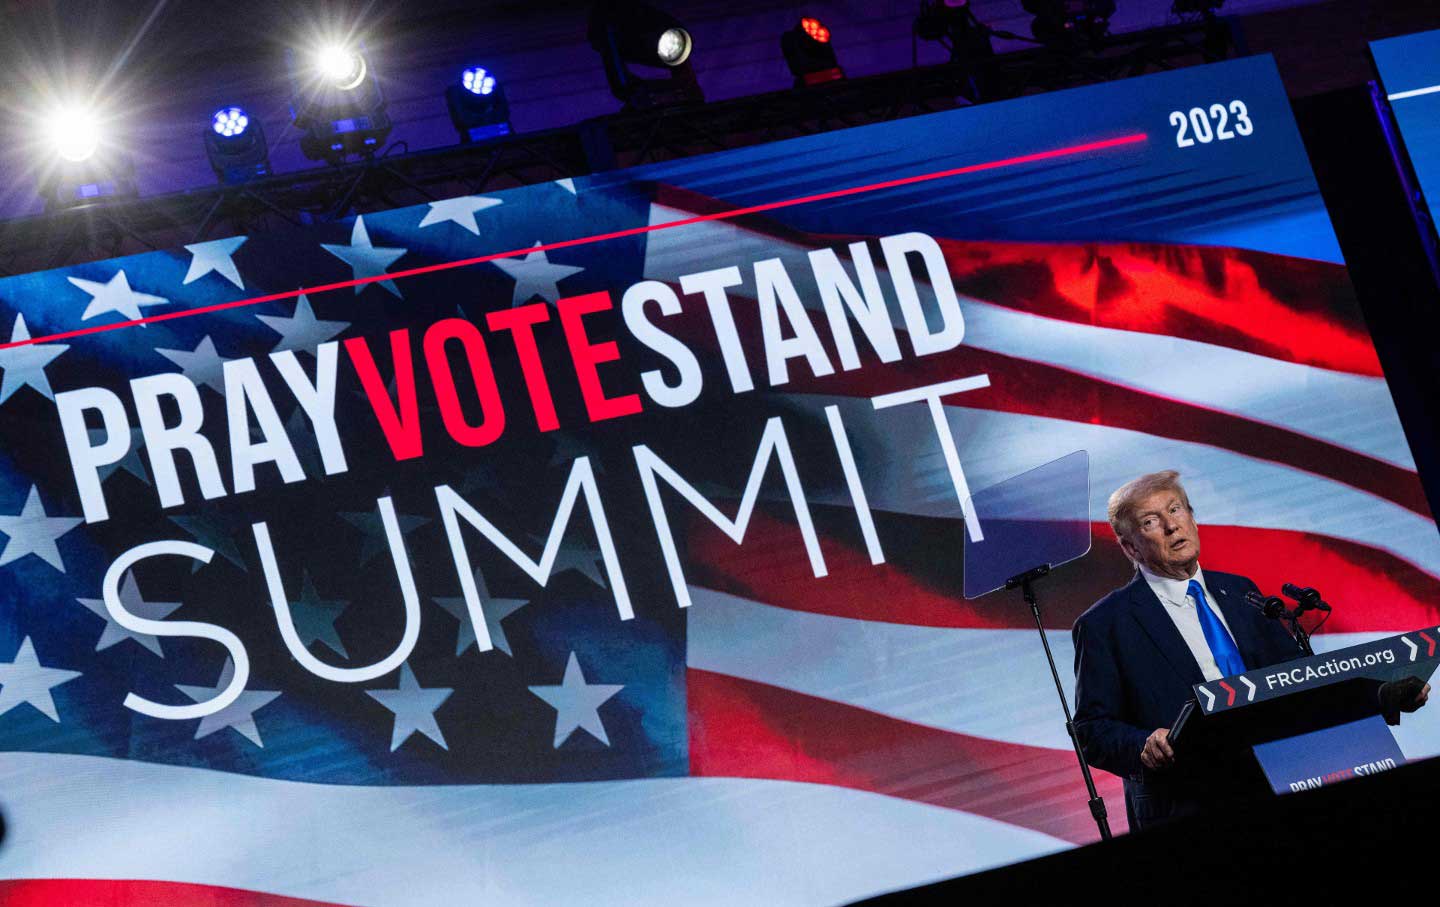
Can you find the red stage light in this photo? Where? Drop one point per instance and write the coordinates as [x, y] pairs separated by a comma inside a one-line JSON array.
[[815, 30]]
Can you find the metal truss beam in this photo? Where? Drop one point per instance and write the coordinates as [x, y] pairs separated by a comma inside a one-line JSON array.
[[125, 226]]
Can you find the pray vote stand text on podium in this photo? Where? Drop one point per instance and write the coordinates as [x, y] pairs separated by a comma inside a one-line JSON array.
[[1311, 721]]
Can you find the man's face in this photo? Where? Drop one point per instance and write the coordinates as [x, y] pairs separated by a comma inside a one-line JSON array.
[[1165, 538]]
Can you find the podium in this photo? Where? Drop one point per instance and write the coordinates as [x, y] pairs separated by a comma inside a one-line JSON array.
[[1314, 720]]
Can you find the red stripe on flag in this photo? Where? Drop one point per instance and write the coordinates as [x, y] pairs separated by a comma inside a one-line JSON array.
[[1284, 308], [921, 584], [743, 729], [1292, 309], [1371, 590], [136, 893]]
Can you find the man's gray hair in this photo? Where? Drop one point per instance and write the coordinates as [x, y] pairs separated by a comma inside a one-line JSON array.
[[1123, 502]]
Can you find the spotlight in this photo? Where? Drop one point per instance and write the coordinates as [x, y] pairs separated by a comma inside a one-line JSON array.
[[1065, 24], [74, 132], [235, 144], [673, 47], [809, 53], [477, 106], [337, 103], [630, 32], [341, 66], [88, 165]]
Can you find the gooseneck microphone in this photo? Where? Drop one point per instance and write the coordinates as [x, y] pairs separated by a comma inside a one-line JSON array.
[[1272, 606], [1308, 599]]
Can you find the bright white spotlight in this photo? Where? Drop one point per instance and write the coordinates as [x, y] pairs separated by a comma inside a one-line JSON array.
[[74, 132], [341, 66], [674, 46]]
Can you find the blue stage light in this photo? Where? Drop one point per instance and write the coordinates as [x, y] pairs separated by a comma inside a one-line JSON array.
[[477, 81], [477, 106], [236, 146], [230, 122]]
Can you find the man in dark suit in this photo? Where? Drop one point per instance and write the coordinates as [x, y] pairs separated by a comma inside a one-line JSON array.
[[1140, 649]]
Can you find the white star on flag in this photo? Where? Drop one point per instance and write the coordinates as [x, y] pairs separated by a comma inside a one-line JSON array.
[[577, 703], [364, 258], [315, 617], [25, 365], [239, 715], [460, 211], [215, 256], [375, 541], [302, 331], [496, 610], [26, 680], [136, 604], [33, 531], [581, 558], [131, 462], [115, 296], [202, 365], [414, 707], [214, 535], [535, 276], [568, 184]]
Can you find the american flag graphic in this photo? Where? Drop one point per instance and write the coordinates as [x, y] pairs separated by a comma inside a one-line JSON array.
[[788, 738]]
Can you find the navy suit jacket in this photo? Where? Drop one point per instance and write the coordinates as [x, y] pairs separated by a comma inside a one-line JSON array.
[[1134, 672]]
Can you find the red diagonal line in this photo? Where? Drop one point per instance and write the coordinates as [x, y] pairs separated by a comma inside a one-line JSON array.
[[599, 237], [1430, 642], [1229, 689]]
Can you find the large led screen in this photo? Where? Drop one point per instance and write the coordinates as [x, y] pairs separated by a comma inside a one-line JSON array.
[[601, 541], [1409, 68]]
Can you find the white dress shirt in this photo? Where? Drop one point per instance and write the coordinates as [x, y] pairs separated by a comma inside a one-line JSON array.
[[1180, 605]]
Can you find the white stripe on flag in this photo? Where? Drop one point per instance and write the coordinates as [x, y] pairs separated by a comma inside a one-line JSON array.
[[985, 683], [694, 841]]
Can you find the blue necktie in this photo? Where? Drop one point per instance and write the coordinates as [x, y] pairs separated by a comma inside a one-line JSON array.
[[1227, 654]]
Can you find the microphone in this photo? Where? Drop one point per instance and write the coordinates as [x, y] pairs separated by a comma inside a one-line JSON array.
[[1271, 606], [1308, 599]]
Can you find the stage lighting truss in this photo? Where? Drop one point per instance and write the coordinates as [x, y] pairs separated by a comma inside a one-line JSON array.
[[953, 24], [87, 166], [235, 144], [478, 107], [1069, 24], [627, 33], [809, 53], [337, 103]]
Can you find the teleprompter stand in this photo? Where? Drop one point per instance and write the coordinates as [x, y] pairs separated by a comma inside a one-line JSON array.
[[1039, 517], [1025, 583]]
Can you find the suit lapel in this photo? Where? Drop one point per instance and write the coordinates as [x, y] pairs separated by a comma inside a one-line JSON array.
[[1238, 618], [1161, 629]]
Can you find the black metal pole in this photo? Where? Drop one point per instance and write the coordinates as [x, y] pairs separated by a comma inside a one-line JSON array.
[[1301, 637], [1097, 803]]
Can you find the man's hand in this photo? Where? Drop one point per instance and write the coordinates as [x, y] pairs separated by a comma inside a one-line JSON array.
[[1404, 695], [1420, 699], [1157, 753]]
